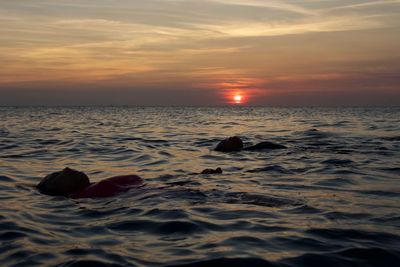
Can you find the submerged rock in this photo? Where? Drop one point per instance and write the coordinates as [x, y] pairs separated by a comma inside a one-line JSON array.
[[212, 171], [264, 146], [63, 183], [110, 187], [76, 184], [230, 144]]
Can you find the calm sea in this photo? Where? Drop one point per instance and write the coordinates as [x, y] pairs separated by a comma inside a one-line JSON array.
[[332, 198]]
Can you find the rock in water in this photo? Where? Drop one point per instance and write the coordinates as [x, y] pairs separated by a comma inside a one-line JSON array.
[[212, 171], [110, 187], [264, 146], [230, 144], [63, 183]]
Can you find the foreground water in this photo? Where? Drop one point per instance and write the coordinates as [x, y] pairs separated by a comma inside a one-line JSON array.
[[330, 199]]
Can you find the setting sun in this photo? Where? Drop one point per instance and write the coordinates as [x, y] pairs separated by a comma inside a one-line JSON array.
[[238, 99]]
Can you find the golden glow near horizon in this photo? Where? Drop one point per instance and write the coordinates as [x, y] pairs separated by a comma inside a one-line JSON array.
[[237, 99], [197, 50]]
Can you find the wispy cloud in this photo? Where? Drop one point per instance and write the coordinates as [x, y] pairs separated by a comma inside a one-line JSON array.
[[210, 43], [329, 24], [367, 4], [279, 5]]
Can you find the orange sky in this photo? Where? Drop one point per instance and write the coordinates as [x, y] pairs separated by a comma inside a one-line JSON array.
[[187, 52]]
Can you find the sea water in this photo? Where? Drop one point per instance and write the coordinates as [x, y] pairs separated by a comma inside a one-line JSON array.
[[332, 198]]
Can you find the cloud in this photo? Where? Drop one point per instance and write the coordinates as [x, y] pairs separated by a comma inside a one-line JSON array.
[[367, 4], [328, 24], [279, 5], [196, 44]]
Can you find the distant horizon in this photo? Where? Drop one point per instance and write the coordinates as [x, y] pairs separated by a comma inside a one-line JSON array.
[[213, 52], [193, 106]]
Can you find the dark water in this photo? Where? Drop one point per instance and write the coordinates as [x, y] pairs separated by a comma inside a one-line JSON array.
[[330, 199]]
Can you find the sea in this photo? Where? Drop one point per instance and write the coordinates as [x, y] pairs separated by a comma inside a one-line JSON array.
[[331, 198]]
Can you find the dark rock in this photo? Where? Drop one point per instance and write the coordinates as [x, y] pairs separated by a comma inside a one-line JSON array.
[[264, 146], [212, 171], [63, 183], [230, 144]]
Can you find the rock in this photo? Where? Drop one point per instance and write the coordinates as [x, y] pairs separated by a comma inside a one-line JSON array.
[[212, 171], [230, 144], [110, 187], [264, 146], [63, 183]]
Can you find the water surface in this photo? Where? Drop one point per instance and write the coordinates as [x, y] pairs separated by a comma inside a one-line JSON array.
[[330, 199]]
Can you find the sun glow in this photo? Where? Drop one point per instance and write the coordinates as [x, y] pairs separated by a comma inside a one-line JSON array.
[[239, 91], [237, 99]]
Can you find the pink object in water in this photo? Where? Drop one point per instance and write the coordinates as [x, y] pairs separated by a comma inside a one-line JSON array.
[[110, 187]]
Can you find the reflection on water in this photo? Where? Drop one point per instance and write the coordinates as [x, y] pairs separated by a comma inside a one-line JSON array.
[[331, 198]]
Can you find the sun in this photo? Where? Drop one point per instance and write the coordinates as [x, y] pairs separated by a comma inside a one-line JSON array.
[[237, 99]]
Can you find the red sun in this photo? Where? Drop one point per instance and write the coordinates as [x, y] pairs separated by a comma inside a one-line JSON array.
[[237, 99]]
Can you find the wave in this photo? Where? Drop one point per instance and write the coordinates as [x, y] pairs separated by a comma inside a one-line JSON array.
[[329, 199]]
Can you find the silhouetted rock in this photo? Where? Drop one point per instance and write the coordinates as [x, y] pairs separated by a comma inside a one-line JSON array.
[[212, 171], [63, 183], [230, 144], [110, 187], [264, 146]]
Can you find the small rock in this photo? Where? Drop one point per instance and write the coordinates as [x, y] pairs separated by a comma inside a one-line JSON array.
[[212, 171], [265, 145], [230, 144]]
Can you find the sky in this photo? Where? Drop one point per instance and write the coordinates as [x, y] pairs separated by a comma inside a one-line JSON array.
[[200, 53]]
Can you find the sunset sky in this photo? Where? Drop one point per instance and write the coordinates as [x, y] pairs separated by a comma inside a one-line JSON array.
[[204, 52]]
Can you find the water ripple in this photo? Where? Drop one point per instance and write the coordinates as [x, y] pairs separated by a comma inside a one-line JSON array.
[[329, 199]]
